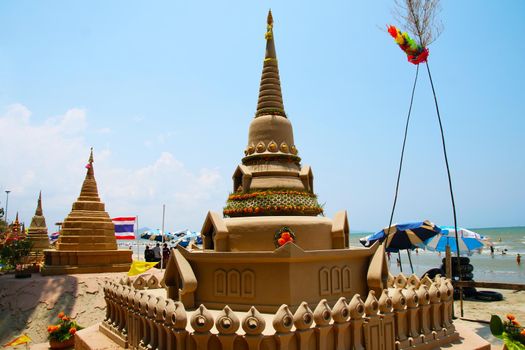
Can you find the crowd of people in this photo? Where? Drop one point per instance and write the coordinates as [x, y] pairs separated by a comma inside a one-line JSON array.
[[156, 254]]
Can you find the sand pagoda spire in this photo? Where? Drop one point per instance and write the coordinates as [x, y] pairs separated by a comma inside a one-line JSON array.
[[37, 232], [270, 95], [87, 241], [89, 191], [271, 167]]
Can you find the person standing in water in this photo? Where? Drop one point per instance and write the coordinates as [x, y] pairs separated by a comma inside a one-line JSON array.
[[518, 259]]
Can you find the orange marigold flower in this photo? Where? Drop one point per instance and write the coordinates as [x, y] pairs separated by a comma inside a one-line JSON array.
[[65, 318], [523, 332], [515, 323], [511, 317], [72, 330], [61, 314]]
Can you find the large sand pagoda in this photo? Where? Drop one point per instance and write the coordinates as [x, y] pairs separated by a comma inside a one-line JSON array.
[[87, 241], [270, 235], [268, 261]]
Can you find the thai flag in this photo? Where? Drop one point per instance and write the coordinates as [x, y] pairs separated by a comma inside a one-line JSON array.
[[124, 227], [54, 237]]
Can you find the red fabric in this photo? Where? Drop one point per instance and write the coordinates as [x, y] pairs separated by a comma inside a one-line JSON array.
[[422, 57]]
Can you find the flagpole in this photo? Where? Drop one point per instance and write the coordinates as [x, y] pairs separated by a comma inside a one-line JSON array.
[[161, 252], [137, 236]]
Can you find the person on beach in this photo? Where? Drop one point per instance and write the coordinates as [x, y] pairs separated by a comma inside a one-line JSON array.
[[518, 259], [148, 254], [156, 253], [165, 254]]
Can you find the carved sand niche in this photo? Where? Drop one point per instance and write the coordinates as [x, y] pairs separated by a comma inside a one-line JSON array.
[[87, 241]]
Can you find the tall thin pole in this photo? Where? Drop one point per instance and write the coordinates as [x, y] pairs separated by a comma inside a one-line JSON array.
[[6, 203], [137, 236], [162, 232], [449, 185]]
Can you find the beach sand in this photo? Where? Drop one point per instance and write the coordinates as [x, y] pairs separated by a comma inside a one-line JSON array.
[[513, 303], [29, 305]]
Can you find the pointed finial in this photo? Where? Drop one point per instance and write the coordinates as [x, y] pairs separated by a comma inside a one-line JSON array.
[[39, 205], [91, 156], [270, 97]]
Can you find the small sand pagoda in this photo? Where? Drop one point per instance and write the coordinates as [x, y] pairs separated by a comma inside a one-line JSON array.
[[37, 232], [87, 241]]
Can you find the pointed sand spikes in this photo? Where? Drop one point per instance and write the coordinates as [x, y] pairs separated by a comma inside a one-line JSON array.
[[340, 314], [227, 323], [160, 322], [282, 323], [435, 316], [303, 319], [176, 320], [413, 281], [253, 325], [424, 312], [357, 310], [202, 322], [413, 315], [387, 320], [399, 302], [371, 326], [322, 317], [400, 281]]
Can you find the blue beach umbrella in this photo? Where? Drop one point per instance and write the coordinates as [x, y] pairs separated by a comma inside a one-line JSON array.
[[468, 240], [408, 235]]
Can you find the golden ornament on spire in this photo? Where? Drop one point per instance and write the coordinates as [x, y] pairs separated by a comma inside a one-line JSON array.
[[269, 28]]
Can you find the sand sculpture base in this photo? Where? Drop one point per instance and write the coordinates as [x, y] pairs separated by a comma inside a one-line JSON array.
[[87, 261]]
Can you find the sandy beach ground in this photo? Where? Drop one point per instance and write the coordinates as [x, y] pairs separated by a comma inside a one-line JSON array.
[[513, 303], [30, 305]]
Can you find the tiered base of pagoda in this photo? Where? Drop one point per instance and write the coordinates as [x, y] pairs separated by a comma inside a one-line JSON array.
[[39, 241], [58, 262]]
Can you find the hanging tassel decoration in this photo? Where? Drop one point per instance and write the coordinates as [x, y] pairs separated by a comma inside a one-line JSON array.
[[416, 53]]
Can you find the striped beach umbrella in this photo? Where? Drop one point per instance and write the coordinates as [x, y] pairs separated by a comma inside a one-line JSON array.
[[468, 240], [408, 235]]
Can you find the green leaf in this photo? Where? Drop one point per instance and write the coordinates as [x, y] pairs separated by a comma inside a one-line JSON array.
[[496, 326], [512, 344]]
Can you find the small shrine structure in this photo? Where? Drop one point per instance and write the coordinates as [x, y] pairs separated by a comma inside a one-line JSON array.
[[87, 242], [37, 232]]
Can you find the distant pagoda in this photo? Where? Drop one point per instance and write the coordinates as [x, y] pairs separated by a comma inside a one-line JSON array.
[[37, 232], [270, 180], [87, 241]]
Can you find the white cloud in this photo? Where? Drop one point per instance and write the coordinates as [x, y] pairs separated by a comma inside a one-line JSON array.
[[50, 156]]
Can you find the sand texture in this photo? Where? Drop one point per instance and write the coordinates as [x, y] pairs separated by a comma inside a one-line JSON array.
[[30, 305]]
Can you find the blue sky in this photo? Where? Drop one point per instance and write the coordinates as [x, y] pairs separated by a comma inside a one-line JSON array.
[[165, 91]]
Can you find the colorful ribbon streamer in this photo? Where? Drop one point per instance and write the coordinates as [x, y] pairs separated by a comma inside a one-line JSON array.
[[416, 53]]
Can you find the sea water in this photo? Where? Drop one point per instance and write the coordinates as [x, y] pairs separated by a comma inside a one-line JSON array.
[[498, 267]]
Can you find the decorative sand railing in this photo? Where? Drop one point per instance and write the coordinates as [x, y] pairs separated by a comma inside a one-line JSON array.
[[411, 313]]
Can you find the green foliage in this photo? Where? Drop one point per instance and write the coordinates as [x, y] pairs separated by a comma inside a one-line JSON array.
[[64, 330], [496, 326], [14, 250], [510, 331], [3, 224]]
